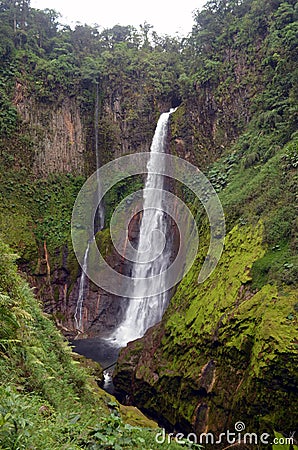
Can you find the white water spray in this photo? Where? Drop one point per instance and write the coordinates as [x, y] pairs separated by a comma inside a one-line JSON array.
[[144, 312], [82, 291]]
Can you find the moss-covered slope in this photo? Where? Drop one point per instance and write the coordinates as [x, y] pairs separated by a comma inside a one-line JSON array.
[[224, 352], [47, 400]]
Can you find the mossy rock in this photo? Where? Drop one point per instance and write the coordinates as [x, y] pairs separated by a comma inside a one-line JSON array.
[[133, 416], [223, 352], [93, 368]]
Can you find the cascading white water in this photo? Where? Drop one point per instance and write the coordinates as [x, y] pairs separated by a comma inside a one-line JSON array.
[[144, 312], [108, 381], [82, 291], [83, 286]]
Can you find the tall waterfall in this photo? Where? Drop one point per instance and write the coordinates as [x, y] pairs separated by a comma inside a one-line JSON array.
[[100, 210], [146, 311]]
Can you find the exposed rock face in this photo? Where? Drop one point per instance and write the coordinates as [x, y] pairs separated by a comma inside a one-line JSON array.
[[212, 117], [57, 132], [57, 284], [127, 124], [64, 139], [57, 278], [217, 356]]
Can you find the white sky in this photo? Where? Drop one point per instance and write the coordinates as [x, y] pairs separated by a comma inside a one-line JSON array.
[[167, 17]]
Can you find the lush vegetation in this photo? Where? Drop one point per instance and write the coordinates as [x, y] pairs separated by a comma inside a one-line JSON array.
[[47, 400], [49, 61], [52, 60], [226, 343], [236, 71], [242, 83], [235, 77]]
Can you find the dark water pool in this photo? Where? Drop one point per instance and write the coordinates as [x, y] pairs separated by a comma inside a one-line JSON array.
[[102, 351]]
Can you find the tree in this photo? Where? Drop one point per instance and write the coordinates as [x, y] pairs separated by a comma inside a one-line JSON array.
[[145, 30], [17, 12], [117, 34]]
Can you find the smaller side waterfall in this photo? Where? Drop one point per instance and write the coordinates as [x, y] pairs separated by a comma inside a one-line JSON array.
[[82, 293], [100, 210], [99, 222]]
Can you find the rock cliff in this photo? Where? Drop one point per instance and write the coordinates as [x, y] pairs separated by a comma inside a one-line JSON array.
[[218, 354], [57, 133]]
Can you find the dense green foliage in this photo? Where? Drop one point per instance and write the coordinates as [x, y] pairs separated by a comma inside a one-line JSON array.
[[37, 211], [222, 347], [235, 76], [243, 74], [47, 401], [51, 60], [237, 66]]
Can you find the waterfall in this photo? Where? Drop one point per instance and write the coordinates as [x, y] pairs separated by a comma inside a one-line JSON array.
[[147, 310], [100, 211], [98, 225], [108, 385], [82, 291]]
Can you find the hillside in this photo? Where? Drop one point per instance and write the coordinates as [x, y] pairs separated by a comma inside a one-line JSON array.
[[49, 398]]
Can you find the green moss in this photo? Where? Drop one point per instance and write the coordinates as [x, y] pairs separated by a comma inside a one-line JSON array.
[[17, 230], [104, 242], [72, 264], [225, 337], [278, 263], [134, 417], [207, 303], [178, 121], [120, 191]]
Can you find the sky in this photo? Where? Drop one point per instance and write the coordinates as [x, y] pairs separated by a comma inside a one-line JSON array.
[[167, 16]]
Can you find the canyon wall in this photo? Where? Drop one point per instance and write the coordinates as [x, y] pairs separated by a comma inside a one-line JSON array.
[[216, 357], [57, 133]]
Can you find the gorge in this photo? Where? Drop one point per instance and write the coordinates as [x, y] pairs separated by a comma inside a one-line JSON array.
[[142, 309]]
